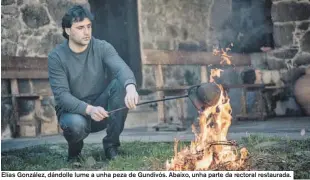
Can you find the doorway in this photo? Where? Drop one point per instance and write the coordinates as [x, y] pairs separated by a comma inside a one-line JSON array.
[[117, 22]]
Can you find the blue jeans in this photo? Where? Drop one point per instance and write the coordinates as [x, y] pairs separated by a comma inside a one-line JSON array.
[[77, 127]]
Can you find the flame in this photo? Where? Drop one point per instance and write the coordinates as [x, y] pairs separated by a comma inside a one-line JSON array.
[[223, 54], [215, 73], [210, 150]]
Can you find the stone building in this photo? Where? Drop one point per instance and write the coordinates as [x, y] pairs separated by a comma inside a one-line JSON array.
[[168, 44]]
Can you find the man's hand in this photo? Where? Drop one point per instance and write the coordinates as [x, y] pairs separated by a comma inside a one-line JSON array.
[[97, 113], [132, 96]]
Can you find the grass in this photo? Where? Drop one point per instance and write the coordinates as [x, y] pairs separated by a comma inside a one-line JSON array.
[[268, 154]]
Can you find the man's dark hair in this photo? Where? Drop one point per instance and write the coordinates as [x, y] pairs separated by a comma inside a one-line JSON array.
[[75, 14]]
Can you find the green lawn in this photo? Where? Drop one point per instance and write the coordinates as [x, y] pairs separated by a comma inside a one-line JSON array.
[[265, 154]]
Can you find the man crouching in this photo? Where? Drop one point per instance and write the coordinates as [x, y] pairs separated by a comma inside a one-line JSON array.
[[77, 74]]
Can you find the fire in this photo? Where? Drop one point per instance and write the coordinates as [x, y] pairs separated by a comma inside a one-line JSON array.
[[223, 54], [211, 150], [225, 59], [215, 73]]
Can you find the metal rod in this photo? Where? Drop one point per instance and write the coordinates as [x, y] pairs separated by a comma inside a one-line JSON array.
[[147, 102], [226, 143]]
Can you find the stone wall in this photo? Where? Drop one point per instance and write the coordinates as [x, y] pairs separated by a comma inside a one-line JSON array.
[[31, 28], [175, 26], [201, 25], [291, 55], [291, 34], [180, 25]]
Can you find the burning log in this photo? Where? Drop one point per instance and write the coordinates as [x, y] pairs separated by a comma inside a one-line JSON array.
[[210, 150]]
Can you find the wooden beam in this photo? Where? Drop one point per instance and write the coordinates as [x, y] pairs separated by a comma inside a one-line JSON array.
[[14, 67], [152, 56], [15, 115], [23, 74], [203, 74], [182, 89], [160, 94], [21, 63]]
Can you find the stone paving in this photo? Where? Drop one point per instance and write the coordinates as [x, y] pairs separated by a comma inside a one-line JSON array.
[[282, 127]]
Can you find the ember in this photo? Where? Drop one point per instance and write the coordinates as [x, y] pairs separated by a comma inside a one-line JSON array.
[[211, 150]]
